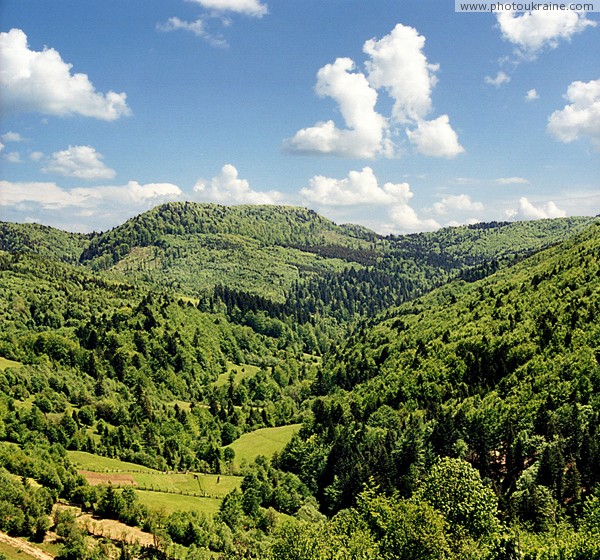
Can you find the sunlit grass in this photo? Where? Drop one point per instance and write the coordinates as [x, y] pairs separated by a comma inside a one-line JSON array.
[[265, 441]]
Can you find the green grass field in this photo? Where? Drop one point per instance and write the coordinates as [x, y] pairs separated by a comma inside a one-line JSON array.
[[170, 491], [169, 503], [91, 462], [243, 371], [265, 441], [6, 363], [189, 483], [175, 484], [13, 554]]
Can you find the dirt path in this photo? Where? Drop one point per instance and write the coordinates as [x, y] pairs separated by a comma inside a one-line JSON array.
[[24, 546]]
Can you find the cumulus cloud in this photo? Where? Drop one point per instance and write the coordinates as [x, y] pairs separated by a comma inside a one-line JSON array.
[[531, 95], [82, 162], [527, 210], [359, 188], [216, 10], [397, 66], [365, 133], [197, 27], [435, 138], [501, 78], [12, 137], [227, 188], [51, 196], [82, 208], [461, 202], [531, 32], [581, 117], [132, 193], [406, 220], [13, 157], [253, 8], [42, 82], [47, 195]]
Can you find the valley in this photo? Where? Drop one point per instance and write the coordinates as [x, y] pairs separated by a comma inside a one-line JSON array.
[[259, 382]]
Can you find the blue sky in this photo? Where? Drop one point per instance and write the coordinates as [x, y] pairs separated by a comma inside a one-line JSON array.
[[399, 115]]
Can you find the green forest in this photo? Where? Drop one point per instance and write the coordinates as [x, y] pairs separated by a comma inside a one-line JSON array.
[[321, 391]]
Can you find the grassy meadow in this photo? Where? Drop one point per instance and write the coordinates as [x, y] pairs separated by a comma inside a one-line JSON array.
[[170, 503], [6, 363], [240, 372], [166, 492], [265, 441]]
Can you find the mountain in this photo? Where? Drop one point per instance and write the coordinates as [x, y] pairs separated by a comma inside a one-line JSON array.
[[467, 358], [503, 372], [291, 257]]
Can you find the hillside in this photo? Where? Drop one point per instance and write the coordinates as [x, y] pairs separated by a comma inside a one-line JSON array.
[[470, 354], [503, 372], [43, 241], [288, 261]]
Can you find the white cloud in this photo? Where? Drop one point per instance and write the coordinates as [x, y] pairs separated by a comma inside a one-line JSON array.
[[51, 196], [468, 221], [581, 118], [217, 9], [501, 78], [511, 181], [42, 82], [406, 220], [12, 137], [528, 210], [36, 156], [1, 146], [252, 8], [227, 188], [47, 195], [197, 27], [359, 188], [532, 31], [82, 162], [82, 208], [531, 95], [133, 193], [398, 65], [435, 138], [13, 157], [580, 202], [365, 135], [461, 202]]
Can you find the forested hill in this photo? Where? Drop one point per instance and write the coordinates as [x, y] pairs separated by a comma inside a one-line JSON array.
[[268, 225], [460, 424], [287, 261], [42, 240], [503, 372]]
